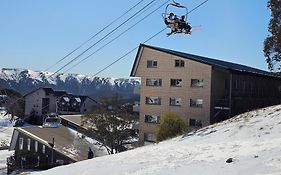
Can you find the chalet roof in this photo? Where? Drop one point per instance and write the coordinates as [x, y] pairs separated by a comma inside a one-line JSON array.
[[83, 98], [205, 60], [59, 93], [66, 141], [76, 119], [47, 90]]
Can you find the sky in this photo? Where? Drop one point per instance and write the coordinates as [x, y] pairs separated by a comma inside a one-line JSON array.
[[36, 34]]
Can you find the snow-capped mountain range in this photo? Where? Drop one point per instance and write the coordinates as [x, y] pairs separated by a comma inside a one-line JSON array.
[[24, 81]]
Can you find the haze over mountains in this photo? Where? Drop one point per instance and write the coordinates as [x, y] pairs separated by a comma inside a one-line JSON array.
[[25, 80]]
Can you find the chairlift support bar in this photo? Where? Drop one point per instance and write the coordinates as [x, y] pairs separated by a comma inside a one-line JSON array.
[[175, 4]]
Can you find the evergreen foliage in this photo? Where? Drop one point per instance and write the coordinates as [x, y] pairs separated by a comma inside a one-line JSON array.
[[272, 44], [170, 126]]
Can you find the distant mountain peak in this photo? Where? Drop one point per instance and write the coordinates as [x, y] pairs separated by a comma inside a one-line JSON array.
[[26, 80]]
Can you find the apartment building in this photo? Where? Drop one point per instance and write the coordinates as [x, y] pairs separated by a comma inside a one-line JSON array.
[[201, 90]]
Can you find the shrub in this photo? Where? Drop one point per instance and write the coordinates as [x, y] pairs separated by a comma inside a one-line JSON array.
[[170, 126]]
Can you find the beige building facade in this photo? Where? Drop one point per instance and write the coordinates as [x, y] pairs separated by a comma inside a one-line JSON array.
[[198, 89]]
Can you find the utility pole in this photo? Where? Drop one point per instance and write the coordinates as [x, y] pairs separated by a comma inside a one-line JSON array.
[[52, 156]]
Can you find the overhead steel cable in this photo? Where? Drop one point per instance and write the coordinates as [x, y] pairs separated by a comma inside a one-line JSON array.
[[117, 36], [101, 39], [95, 36], [120, 58], [92, 37]]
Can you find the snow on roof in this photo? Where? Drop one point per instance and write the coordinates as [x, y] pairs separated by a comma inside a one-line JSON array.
[[66, 99], [251, 139], [66, 140], [78, 99]]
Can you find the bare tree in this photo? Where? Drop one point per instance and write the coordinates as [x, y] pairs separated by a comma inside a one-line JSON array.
[[112, 123]]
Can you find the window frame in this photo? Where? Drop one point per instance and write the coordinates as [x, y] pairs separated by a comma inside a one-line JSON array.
[[21, 140], [152, 64], [176, 82], [195, 123], [197, 84], [36, 146], [179, 63], [174, 100], [147, 100], [196, 105], [152, 119], [28, 143], [149, 135], [153, 82], [43, 149]]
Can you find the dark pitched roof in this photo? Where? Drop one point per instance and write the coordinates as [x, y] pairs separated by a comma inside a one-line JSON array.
[[59, 93], [65, 140], [47, 90], [205, 60]]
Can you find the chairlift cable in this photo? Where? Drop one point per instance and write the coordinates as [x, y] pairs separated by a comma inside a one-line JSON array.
[[197, 6], [120, 58], [101, 39], [96, 34], [128, 53], [117, 36], [89, 39]]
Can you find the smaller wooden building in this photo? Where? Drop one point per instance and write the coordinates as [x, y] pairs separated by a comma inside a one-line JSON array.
[[46, 100], [44, 147]]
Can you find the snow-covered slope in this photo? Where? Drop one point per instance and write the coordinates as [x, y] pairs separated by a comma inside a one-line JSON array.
[[24, 81], [6, 130], [252, 140]]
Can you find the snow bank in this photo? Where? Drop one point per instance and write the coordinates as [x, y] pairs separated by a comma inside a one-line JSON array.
[[252, 140], [6, 131]]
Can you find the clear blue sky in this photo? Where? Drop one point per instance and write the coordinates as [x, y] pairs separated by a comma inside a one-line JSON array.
[[35, 34]]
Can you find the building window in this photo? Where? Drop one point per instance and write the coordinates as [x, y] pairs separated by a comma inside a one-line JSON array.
[[176, 82], [179, 63], [152, 119], [153, 100], [196, 103], [153, 82], [36, 146], [21, 143], [149, 137], [28, 144], [175, 101], [197, 83], [151, 64], [195, 123], [43, 149]]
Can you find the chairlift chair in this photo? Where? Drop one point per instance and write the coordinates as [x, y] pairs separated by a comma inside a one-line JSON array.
[[168, 12]]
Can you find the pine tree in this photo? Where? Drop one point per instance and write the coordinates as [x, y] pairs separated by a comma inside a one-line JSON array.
[[272, 44]]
